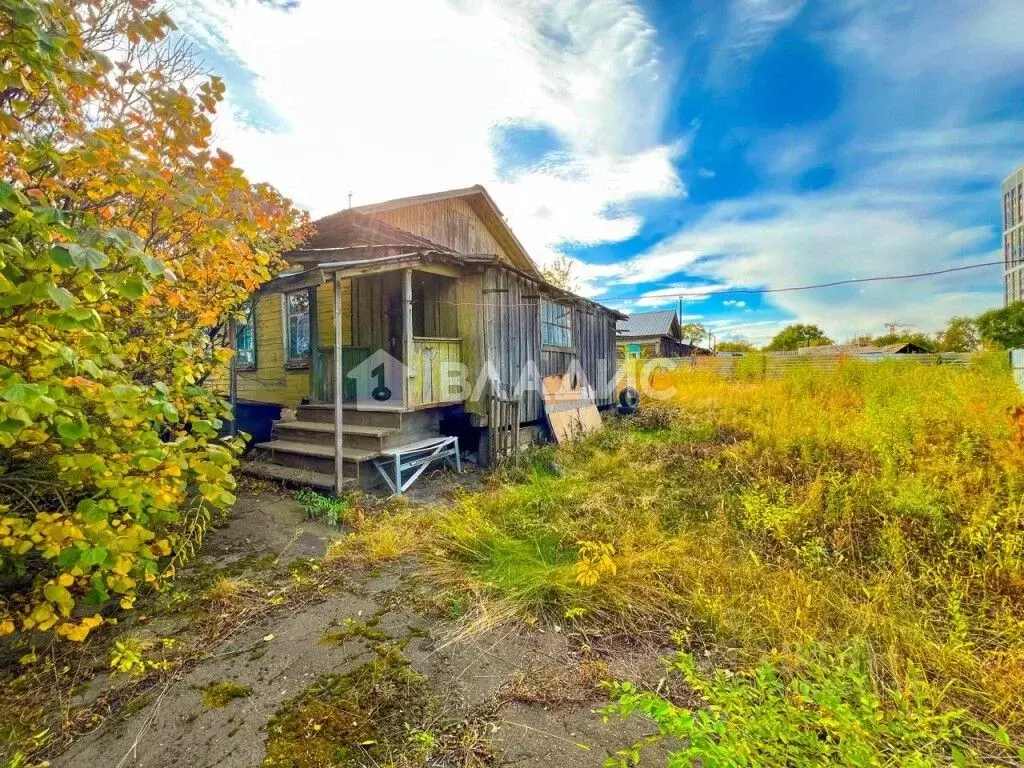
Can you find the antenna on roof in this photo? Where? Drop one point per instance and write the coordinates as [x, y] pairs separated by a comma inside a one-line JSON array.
[[894, 328]]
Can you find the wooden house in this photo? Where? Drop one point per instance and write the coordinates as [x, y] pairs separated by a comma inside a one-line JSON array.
[[439, 311], [654, 334]]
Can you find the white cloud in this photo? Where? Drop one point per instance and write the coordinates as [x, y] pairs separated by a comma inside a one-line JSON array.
[[758, 332], [671, 295], [395, 98], [752, 24], [959, 46], [734, 303], [785, 241]]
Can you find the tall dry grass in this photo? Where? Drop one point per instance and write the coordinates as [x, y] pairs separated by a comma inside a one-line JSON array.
[[878, 503]]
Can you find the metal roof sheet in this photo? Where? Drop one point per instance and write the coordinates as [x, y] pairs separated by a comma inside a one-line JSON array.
[[647, 324]]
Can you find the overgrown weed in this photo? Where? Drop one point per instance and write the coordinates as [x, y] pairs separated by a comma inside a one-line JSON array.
[[878, 503], [325, 509]]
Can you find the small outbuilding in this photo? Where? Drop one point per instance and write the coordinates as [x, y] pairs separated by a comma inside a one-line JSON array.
[[653, 334]]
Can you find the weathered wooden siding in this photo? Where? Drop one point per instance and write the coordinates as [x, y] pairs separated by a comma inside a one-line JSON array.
[[594, 334], [451, 223], [469, 295], [325, 314], [511, 342], [429, 383], [435, 305], [377, 312]]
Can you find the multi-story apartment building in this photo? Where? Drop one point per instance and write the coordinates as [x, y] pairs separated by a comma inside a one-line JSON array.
[[1013, 236]]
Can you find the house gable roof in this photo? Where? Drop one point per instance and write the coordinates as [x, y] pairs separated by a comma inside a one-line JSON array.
[[661, 323], [476, 197]]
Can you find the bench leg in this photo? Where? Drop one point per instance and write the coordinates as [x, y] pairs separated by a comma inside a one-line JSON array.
[[377, 463]]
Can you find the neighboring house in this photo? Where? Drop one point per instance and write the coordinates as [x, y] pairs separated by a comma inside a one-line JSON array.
[[420, 287], [864, 350], [653, 334]]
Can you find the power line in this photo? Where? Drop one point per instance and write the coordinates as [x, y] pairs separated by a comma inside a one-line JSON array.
[[754, 291], [850, 281]]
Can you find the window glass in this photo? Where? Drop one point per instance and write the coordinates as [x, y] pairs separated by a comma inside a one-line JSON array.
[[245, 337], [297, 327], [556, 324]]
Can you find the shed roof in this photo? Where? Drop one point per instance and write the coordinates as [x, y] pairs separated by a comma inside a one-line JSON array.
[[647, 324]]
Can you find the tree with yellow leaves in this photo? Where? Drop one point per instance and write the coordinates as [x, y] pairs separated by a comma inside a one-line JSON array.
[[123, 237]]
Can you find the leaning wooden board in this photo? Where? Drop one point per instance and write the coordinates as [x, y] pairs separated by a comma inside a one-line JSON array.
[[570, 410]]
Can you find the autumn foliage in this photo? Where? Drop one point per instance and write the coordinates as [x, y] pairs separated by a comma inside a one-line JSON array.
[[124, 237]]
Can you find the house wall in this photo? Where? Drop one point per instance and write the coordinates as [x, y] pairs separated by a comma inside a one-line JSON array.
[[451, 223], [494, 311], [649, 346], [271, 381], [508, 314]]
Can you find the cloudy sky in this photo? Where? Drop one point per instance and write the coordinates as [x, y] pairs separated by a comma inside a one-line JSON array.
[[679, 145]]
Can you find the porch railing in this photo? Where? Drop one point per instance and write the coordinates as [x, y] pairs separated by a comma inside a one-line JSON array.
[[433, 377]]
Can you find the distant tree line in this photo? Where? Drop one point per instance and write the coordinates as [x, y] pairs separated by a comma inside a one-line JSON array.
[[996, 329]]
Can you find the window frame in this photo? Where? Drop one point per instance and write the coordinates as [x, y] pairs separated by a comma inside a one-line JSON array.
[[249, 308], [302, 361], [568, 327]]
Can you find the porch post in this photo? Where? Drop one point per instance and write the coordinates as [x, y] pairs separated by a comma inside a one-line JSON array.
[[407, 329], [339, 386]]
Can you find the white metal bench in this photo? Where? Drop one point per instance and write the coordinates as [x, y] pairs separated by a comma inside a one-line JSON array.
[[395, 462]]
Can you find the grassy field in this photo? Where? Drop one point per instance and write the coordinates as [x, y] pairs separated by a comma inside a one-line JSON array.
[[838, 555], [829, 564]]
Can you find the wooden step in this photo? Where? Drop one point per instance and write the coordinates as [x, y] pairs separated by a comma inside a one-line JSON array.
[[385, 417], [291, 475], [311, 456], [354, 435]]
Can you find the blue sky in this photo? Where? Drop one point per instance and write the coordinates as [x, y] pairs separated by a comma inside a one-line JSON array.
[[665, 146]]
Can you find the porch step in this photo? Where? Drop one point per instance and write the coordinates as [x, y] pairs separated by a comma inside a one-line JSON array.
[[387, 417], [291, 475], [322, 433], [312, 456]]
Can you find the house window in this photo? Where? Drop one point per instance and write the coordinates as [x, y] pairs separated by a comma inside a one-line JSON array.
[[555, 324], [296, 326], [245, 338]]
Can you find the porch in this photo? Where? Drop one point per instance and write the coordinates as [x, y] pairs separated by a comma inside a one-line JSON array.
[[397, 326], [400, 343]]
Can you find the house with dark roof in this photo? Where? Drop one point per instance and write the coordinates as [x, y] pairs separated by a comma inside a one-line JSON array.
[[863, 350], [405, 320], [653, 334]]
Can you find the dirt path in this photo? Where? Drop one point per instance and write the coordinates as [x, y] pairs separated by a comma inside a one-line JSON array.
[[530, 693]]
